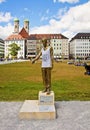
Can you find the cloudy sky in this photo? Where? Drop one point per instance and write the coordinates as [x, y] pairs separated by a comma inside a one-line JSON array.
[[67, 17]]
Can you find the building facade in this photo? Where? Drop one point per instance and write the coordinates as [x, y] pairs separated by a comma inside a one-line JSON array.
[[60, 46], [16, 26], [31, 44], [26, 25], [20, 38], [80, 46], [20, 42], [57, 41], [31, 47], [1, 48]]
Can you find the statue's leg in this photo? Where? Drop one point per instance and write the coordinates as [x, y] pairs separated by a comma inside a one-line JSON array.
[[44, 79], [48, 79]]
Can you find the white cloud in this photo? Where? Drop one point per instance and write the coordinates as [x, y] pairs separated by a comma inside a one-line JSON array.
[[51, 28], [68, 1], [61, 12], [6, 31], [5, 17], [70, 22], [2, 1], [76, 19]]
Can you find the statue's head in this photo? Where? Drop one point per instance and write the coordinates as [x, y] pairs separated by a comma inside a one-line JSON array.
[[44, 41]]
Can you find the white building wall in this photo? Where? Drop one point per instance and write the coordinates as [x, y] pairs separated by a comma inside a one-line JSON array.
[[65, 48], [80, 48], [21, 52], [60, 48], [56, 44]]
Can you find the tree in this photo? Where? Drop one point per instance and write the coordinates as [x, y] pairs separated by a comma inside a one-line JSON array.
[[14, 48]]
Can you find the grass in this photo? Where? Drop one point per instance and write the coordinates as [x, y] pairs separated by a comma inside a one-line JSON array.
[[23, 81]]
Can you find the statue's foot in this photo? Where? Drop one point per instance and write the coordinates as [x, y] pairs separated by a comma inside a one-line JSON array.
[[48, 91]]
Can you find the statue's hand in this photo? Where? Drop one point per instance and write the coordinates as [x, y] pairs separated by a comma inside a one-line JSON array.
[[33, 61]]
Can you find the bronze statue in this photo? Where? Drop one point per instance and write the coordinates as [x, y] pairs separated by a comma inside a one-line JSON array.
[[47, 65]]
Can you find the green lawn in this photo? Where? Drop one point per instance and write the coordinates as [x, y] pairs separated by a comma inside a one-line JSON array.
[[23, 81]]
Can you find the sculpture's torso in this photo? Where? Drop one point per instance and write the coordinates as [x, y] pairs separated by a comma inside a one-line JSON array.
[[46, 60]]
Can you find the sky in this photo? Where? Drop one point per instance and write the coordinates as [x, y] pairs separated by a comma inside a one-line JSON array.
[[67, 17]]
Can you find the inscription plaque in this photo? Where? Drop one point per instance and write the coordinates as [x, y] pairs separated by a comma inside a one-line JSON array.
[[45, 99], [46, 108]]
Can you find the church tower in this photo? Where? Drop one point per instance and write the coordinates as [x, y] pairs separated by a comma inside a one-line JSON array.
[[16, 26], [26, 25]]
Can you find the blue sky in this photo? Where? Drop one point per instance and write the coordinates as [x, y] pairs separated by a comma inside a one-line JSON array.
[[67, 17]]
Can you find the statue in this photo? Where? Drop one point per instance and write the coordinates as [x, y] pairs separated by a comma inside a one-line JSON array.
[[47, 65]]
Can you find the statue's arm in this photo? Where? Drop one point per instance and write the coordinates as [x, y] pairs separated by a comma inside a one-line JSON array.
[[37, 57], [51, 54]]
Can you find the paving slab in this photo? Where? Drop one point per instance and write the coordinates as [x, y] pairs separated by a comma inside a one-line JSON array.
[[71, 115]]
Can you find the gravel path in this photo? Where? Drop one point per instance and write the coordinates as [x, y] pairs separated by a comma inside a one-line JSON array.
[[71, 115]]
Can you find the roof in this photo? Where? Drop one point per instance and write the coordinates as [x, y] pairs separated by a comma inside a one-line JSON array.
[[26, 20], [16, 19], [46, 36], [22, 35], [32, 37], [14, 37], [81, 36]]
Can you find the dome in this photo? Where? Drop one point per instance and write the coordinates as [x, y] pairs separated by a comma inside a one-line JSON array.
[[26, 20], [16, 20]]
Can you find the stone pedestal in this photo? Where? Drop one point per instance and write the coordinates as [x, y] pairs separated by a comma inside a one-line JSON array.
[[39, 109], [46, 99]]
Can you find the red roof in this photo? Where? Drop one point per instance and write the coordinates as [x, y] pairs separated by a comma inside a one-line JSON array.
[[22, 35], [47, 36], [14, 37]]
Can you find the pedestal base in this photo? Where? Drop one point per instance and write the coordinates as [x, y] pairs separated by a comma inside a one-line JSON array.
[[31, 110]]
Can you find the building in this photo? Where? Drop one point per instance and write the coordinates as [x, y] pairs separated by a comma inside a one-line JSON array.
[[58, 41], [60, 46], [26, 25], [16, 26], [80, 46], [1, 48], [20, 38], [31, 44]]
